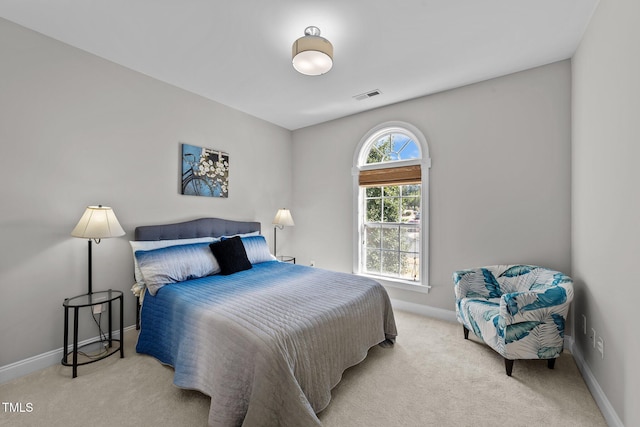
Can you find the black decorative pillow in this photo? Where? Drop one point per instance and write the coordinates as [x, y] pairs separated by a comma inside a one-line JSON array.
[[231, 255]]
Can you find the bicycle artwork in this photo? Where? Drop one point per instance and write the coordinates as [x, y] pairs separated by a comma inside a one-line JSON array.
[[205, 172]]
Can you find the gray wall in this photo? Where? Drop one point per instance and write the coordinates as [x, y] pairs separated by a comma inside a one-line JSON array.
[[77, 130], [606, 206], [499, 181]]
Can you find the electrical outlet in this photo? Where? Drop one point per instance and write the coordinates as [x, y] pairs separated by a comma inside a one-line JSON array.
[[584, 324], [600, 346], [97, 309], [593, 337]]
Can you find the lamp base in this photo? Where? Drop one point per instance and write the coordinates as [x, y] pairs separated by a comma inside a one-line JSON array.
[[275, 228]]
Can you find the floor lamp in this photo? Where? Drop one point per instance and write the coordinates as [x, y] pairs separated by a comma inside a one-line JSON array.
[[283, 219], [97, 222]]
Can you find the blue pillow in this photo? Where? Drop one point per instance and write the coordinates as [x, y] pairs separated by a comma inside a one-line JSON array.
[[257, 249], [175, 264], [148, 245]]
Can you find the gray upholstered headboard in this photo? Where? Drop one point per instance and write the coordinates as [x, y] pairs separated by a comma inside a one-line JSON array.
[[203, 227]]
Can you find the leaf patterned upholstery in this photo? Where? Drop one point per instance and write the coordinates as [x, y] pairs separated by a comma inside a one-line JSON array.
[[518, 310]]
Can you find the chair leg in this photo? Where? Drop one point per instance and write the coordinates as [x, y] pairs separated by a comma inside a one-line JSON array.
[[551, 363], [508, 364], [466, 332]]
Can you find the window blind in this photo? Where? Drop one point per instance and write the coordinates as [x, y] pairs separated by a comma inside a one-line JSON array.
[[403, 175]]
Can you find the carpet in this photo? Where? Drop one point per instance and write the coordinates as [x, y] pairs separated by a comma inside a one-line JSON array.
[[430, 377]]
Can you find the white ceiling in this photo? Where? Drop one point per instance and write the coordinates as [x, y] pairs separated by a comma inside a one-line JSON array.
[[239, 52]]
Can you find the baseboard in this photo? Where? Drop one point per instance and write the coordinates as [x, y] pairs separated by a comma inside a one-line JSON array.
[[610, 415], [425, 310], [24, 367]]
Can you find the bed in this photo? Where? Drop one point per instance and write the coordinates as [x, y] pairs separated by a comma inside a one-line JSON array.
[[267, 342]]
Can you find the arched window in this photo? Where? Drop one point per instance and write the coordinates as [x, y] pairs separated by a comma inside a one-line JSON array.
[[391, 170]]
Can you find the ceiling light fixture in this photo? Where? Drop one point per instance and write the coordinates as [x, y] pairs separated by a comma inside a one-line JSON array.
[[312, 54]]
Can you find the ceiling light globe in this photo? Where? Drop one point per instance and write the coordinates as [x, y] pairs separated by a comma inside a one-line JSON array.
[[312, 63]]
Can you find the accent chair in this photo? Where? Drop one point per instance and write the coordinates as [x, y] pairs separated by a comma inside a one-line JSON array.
[[518, 310]]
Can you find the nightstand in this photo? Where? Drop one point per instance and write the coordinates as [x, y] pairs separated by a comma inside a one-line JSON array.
[[91, 300], [287, 258]]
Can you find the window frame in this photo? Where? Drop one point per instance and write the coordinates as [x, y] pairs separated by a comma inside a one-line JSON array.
[[359, 164]]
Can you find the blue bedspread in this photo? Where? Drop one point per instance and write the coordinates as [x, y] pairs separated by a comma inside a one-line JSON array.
[[267, 344]]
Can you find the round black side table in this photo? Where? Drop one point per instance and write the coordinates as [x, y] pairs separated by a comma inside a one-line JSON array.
[[90, 300]]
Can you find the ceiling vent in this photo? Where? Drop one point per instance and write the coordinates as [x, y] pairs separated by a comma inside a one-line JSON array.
[[366, 95]]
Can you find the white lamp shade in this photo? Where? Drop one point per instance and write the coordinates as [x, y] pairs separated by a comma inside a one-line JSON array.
[[312, 55], [98, 222], [283, 218]]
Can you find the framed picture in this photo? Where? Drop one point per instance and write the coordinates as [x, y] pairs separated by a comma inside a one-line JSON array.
[[205, 172]]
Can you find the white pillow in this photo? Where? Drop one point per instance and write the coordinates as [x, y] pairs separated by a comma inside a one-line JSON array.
[[251, 233], [148, 245], [174, 264]]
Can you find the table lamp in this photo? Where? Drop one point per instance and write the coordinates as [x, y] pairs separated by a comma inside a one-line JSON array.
[[283, 218]]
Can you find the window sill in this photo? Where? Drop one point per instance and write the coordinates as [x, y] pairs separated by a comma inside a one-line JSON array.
[[398, 283]]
